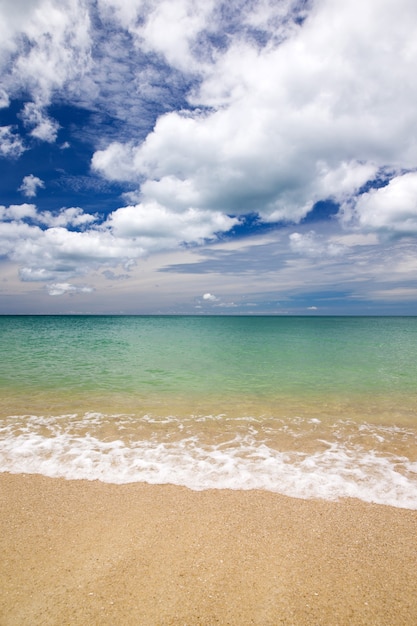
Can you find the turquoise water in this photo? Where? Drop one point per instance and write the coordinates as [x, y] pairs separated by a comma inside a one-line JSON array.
[[309, 406], [262, 357]]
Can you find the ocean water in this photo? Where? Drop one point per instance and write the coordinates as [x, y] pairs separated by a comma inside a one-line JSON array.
[[310, 407]]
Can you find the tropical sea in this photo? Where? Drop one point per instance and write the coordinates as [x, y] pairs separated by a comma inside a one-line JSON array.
[[309, 407]]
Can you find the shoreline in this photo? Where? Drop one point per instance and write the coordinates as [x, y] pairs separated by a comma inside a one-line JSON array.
[[79, 552]]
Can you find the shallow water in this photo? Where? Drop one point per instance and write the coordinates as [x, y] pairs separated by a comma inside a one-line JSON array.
[[310, 407]]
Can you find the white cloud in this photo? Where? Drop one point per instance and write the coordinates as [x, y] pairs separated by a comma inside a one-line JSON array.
[[17, 212], [73, 216], [11, 144], [391, 209], [45, 45], [168, 28], [55, 251], [59, 289], [30, 185], [163, 228], [128, 234], [43, 127], [14, 16], [209, 297], [275, 116], [183, 32], [292, 124], [116, 162], [313, 245], [249, 274], [17, 238], [124, 11], [290, 114], [171, 29], [60, 253]]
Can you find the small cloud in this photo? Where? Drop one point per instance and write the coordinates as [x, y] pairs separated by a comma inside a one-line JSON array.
[[30, 185], [65, 145], [209, 297], [59, 289], [43, 127], [312, 308], [11, 144]]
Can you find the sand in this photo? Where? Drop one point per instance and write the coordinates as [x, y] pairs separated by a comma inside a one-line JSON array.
[[87, 553]]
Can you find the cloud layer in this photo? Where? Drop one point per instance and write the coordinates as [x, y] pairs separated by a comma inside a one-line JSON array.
[[279, 127], [202, 114]]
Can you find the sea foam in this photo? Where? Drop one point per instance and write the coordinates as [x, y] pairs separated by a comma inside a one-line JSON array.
[[74, 447]]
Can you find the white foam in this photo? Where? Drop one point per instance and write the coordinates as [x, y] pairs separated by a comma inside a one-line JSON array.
[[340, 469]]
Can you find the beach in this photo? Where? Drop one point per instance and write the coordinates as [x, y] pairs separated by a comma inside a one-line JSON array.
[[198, 471], [86, 552]]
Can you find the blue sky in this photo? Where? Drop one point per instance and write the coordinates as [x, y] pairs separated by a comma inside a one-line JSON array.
[[188, 157]]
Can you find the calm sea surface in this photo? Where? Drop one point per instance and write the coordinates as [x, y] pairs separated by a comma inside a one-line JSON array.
[[305, 406]]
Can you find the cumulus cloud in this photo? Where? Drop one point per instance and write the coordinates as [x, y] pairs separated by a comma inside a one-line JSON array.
[[30, 185], [152, 221], [280, 115], [74, 216], [58, 254], [261, 108], [11, 144], [289, 124], [45, 247], [390, 209], [17, 212], [17, 240], [41, 244], [209, 297]]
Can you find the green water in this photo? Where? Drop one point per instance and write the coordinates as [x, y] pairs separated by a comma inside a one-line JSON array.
[[209, 360], [310, 407]]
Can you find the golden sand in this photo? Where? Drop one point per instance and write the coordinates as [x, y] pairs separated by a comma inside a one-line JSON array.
[[87, 553]]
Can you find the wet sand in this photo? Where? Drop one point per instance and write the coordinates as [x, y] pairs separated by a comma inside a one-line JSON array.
[[77, 553]]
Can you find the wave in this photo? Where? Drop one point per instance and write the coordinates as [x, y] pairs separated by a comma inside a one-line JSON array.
[[308, 460]]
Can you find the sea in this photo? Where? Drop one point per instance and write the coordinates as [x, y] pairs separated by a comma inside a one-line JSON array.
[[309, 407]]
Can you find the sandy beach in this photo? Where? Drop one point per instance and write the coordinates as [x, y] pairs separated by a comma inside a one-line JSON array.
[[77, 553]]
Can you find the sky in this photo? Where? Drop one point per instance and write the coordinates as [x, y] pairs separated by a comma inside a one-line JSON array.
[[208, 157]]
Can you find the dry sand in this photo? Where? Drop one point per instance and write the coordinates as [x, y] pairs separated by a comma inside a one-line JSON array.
[[80, 553]]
